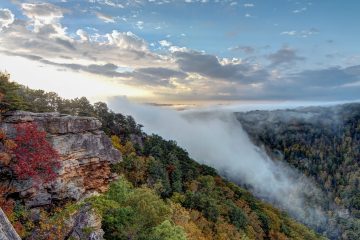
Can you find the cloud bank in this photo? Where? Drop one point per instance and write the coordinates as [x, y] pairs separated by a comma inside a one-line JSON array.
[[169, 71]]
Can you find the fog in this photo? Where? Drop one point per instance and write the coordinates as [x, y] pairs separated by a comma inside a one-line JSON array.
[[214, 137]]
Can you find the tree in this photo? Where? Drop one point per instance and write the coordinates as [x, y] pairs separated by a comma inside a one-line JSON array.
[[168, 231], [151, 210], [9, 97], [130, 213], [82, 107], [34, 156], [238, 217], [125, 149]]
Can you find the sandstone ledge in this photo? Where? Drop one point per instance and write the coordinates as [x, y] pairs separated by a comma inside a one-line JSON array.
[[86, 154]]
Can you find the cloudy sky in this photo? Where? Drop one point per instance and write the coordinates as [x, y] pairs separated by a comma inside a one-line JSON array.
[[185, 51]]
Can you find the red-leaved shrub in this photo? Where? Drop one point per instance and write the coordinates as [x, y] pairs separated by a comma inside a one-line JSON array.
[[35, 158]]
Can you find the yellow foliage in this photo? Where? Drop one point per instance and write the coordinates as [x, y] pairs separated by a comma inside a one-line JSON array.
[[274, 218], [181, 217], [126, 149], [226, 231], [255, 231]]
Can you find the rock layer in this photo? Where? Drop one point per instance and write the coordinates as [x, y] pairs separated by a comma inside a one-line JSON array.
[[86, 154]]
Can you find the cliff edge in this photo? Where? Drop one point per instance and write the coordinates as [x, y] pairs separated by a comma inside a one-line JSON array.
[[86, 154]]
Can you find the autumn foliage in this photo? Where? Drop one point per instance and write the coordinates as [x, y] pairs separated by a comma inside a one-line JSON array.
[[34, 156]]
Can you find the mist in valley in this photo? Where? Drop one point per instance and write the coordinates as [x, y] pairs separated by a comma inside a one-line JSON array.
[[214, 136]]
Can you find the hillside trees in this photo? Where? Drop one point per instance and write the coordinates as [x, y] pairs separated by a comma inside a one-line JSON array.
[[203, 204], [324, 146], [135, 213]]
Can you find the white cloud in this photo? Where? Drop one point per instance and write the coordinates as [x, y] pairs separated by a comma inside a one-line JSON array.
[[113, 4], [300, 10], [110, 3], [118, 48], [104, 17], [290, 33], [249, 5], [174, 49], [44, 18], [83, 35], [140, 24], [126, 40], [42, 13], [6, 18], [303, 33], [165, 43]]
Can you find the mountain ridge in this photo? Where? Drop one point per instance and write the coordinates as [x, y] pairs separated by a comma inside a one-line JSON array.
[[321, 142]]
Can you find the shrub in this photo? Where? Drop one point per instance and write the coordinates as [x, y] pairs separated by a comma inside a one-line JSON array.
[[34, 156]]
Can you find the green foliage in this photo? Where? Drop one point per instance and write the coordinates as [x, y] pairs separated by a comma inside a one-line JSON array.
[[167, 231], [172, 174], [238, 217], [10, 99], [130, 212], [265, 221]]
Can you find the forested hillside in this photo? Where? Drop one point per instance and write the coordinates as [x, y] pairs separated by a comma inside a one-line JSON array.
[[324, 144], [161, 193]]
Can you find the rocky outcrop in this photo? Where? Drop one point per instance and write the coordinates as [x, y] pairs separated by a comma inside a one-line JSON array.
[[86, 154], [7, 232], [85, 224]]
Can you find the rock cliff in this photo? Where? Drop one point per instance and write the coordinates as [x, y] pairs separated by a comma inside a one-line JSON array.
[[86, 154]]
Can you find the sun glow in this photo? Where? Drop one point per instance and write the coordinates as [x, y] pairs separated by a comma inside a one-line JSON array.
[[67, 83]]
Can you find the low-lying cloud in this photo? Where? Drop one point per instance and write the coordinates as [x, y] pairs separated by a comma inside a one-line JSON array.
[[216, 138]]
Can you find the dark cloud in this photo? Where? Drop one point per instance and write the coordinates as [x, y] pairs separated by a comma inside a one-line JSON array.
[[329, 77], [284, 56], [162, 72], [156, 76], [209, 66], [108, 70], [329, 84], [65, 43], [145, 76]]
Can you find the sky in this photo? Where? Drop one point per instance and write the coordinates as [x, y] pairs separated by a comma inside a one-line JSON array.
[[185, 51]]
